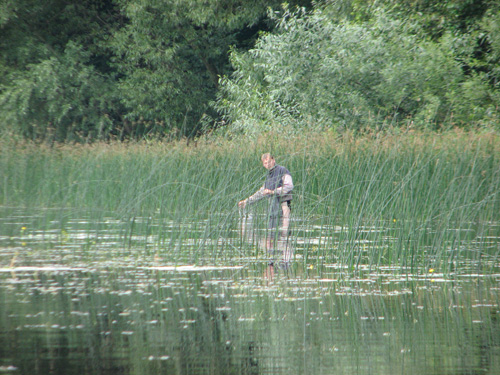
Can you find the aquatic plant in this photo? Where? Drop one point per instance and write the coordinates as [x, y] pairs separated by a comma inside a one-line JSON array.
[[414, 200]]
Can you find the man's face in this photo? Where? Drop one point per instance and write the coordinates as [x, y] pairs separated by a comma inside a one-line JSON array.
[[268, 163]]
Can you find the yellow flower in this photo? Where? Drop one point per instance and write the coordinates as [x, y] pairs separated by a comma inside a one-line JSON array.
[[394, 220], [431, 270], [310, 266], [23, 229], [64, 236]]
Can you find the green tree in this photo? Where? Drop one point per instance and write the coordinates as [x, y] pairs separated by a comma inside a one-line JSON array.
[[314, 72], [171, 55], [469, 29], [55, 83], [75, 70], [324, 69]]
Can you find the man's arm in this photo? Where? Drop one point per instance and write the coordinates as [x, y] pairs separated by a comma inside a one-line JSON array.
[[287, 186], [257, 196]]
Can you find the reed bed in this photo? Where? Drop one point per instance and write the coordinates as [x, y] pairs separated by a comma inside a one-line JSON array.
[[416, 200]]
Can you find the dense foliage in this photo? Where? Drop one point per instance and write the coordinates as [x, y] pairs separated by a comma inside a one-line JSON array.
[[100, 69], [55, 77], [75, 70], [316, 71]]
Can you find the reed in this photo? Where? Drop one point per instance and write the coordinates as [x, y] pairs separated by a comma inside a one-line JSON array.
[[416, 200], [218, 322]]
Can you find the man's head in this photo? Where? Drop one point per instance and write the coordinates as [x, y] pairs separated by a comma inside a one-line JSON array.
[[268, 161]]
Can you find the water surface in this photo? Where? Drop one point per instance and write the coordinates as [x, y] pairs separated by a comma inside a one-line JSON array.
[[94, 297]]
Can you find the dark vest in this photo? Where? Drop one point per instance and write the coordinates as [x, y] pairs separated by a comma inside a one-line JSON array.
[[274, 179]]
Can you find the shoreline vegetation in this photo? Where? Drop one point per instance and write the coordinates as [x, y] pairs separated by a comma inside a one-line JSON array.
[[131, 69], [435, 196]]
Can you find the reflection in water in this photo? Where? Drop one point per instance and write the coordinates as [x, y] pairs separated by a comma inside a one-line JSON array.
[[278, 248], [110, 299], [279, 268], [260, 319]]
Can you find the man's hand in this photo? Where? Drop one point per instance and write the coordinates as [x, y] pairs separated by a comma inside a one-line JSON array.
[[268, 192], [242, 204]]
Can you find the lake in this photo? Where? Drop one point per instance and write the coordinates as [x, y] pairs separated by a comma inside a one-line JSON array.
[[80, 295]]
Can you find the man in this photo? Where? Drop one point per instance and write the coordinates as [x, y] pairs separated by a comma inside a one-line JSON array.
[[278, 186]]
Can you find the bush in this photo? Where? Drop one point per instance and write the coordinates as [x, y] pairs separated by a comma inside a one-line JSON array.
[[58, 98], [316, 72]]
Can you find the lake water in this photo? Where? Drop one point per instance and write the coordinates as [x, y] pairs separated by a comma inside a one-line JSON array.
[[81, 296]]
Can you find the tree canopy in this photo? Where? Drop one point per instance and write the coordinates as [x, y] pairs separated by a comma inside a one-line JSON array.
[[98, 69], [318, 69]]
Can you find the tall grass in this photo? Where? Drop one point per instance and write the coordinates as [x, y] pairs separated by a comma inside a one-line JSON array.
[[428, 193], [413, 200]]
